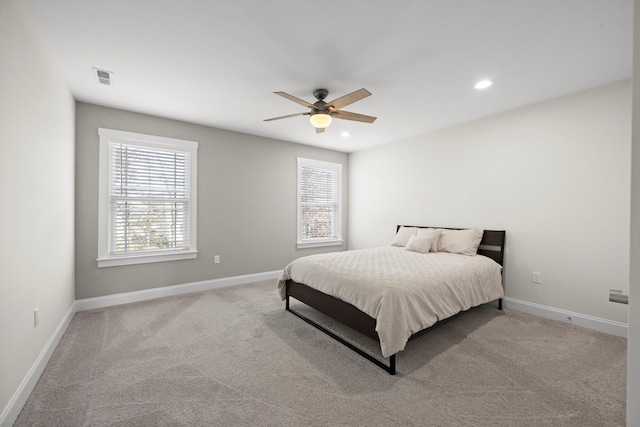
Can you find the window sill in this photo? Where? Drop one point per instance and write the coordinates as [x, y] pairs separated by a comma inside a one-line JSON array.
[[302, 245], [144, 259]]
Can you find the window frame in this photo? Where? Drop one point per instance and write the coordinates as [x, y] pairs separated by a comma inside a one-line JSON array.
[[336, 240], [105, 257]]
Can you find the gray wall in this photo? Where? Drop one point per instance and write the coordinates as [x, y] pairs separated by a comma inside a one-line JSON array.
[[554, 175], [246, 203], [36, 199]]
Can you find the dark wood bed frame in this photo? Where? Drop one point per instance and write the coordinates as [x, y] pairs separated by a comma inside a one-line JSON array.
[[491, 246]]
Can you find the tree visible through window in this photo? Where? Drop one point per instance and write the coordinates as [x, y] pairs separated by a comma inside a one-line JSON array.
[[319, 202]]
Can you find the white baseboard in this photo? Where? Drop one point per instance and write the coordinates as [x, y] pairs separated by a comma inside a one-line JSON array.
[[13, 408], [594, 323], [166, 291]]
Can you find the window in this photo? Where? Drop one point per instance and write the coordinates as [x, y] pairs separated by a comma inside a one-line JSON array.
[[147, 198], [319, 203]]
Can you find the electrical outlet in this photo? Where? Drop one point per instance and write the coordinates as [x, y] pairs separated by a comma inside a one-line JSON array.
[[536, 277], [36, 317], [216, 259]]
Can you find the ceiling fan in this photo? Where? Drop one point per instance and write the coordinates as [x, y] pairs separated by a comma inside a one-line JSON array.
[[322, 112]]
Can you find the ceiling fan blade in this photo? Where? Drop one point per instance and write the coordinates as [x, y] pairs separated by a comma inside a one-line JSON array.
[[286, 117], [296, 100], [346, 115], [320, 130], [350, 98]]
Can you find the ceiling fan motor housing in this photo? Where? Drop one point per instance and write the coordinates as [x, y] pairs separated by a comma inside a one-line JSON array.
[[321, 107]]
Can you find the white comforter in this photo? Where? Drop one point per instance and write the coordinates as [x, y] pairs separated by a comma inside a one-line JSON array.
[[404, 291]]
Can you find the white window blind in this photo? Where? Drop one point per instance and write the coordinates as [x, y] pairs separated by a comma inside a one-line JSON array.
[[319, 202], [150, 198]]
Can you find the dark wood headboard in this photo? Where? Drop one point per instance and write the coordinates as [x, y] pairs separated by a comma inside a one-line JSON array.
[[491, 245]]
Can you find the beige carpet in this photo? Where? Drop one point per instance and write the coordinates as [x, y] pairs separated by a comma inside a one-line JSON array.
[[234, 357]]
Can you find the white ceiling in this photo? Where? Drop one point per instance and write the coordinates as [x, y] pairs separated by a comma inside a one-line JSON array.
[[217, 63]]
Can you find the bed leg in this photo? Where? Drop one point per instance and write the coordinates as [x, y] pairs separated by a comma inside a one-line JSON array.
[[392, 364], [500, 304], [286, 304]]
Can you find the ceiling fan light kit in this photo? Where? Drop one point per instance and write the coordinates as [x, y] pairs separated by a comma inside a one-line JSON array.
[[322, 113], [320, 120]]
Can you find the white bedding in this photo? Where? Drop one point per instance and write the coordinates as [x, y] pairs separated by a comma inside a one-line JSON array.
[[404, 291]]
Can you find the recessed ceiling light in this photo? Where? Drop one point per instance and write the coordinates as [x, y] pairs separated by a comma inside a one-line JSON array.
[[345, 134], [483, 84]]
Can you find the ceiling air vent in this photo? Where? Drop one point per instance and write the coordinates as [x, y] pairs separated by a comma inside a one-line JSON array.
[[102, 76]]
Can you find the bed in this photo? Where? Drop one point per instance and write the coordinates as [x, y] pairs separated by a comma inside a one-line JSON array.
[[396, 293]]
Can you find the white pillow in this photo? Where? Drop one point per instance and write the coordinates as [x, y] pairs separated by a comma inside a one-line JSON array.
[[403, 236], [432, 232], [420, 244], [464, 242]]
